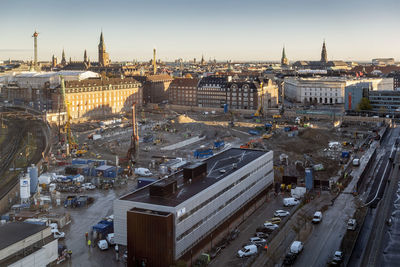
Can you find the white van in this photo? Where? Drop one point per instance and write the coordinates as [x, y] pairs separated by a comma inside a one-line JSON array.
[[296, 247], [351, 224], [110, 239], [102, 244], [290, 201], [356, 162], [57, 234], [247, 251], [317, 217]]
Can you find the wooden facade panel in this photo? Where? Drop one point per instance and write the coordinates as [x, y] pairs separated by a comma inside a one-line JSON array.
[[150, 238]]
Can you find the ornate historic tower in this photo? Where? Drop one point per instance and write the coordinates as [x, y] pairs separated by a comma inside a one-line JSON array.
[[53, 62], [103, 55], [63, 60], [324, 55], [85, 58], [284, 60]]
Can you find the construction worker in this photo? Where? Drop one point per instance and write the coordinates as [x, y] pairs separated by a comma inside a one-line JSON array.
[[89, 243], [86, 235]]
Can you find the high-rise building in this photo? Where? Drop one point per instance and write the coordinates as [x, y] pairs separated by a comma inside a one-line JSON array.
[[284, 60], [324, 55], [103, 55]]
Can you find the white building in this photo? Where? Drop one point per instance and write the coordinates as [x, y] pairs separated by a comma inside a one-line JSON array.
[[203, 197], [25, 244], [327, 90], [37, 80]]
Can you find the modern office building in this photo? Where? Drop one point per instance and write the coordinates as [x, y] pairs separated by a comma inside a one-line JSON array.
[[385, 101], [354, 93], [25, 244], [164, 221]]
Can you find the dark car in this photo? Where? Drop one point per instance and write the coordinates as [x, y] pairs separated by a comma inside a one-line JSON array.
[[289, 259]]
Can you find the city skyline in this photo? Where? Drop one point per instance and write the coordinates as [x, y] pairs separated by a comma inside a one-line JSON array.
[[222, 30]]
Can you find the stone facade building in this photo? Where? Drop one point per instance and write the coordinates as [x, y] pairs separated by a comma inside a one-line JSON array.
[[99, 97]]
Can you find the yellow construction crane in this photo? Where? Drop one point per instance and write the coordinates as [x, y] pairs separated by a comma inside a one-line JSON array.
[[67, 128]]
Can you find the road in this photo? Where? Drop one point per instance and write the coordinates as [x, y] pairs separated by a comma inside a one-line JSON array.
[[369, 245], [327, 236]]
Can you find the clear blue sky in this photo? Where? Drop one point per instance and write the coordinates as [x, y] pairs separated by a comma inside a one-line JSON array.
[[224, 29]]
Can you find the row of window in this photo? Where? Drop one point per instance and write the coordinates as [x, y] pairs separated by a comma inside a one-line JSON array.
[[100, 88], [218, 194], [320, 94], [224, 204]]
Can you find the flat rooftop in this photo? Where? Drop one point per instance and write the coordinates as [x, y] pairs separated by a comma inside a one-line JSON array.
[[218, 168], [16, 231]]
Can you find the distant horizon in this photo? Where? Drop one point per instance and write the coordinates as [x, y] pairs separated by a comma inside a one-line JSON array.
[[255, 30]]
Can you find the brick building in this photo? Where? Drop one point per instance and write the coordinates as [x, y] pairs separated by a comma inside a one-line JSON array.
[[99, 97], [238, 94], [183, 91], [155, 87]]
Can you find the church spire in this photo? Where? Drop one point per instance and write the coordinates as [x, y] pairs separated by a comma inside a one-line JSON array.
[[85, 58], [324, 55], [284, 60], [63, 60]]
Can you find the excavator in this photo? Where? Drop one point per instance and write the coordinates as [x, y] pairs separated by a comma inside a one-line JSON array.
[[73, 145]]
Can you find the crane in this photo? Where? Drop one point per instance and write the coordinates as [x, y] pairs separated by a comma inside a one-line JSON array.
[[67, 128], [134, 148]]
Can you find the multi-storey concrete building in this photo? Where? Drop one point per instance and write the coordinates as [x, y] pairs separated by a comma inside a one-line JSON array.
[[326, 90], [183, 91], [354, 93], [99, 97], [385, 101], [170, 218]]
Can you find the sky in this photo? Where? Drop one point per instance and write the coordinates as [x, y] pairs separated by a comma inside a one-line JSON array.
[[237, 30]]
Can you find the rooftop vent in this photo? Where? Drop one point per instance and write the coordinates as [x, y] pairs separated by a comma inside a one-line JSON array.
[[163, 188]]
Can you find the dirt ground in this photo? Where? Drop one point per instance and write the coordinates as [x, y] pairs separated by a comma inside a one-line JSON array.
[[168, 127]]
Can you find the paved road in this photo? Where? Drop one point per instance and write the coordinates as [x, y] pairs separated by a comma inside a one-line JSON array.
[[247, 230], [82, 221], [327, 236]]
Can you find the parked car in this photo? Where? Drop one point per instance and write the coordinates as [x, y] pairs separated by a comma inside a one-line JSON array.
[[296, 247], [270, 225], [57, 234], [337, 258], [290, 201], [289, 258], [351, 224], [110, 239], [258, 241], [281, 213], [317, 217], [261, 235], [247, 251], [275, 220], [88, 186], [102, 244]]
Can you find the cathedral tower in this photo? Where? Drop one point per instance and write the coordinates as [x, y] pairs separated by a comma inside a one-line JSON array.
[[284, 60], [324, 55], [103, 55]]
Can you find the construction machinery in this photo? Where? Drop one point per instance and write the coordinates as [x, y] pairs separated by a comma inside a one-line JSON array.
[[253, 143], [134, 148], [259, 112], [72, 143]]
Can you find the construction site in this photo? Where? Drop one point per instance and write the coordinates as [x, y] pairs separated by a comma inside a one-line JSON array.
[[93, 162]]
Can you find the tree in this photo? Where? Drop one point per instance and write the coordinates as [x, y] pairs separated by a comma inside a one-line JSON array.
[[364, 104]]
